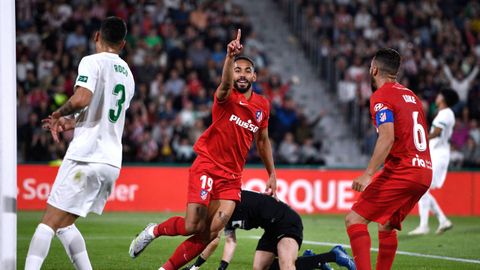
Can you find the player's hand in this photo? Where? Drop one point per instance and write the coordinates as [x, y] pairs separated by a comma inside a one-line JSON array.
[[235, 47], [361, 182], [56, 124], [271, 187]]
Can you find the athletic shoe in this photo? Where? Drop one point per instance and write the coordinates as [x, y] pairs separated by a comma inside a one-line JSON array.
[[141, 241], [444, 226], [192, 267], [342, 258], [326, 266], [420, 230], [308, 252]]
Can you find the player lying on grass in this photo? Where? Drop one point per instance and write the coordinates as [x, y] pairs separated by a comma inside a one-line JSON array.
[[278, 247]]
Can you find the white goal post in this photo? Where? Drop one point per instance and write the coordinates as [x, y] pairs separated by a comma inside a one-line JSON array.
[[8, 137]]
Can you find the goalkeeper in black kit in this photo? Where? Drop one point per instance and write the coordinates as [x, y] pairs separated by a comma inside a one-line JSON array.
[[279, 245]]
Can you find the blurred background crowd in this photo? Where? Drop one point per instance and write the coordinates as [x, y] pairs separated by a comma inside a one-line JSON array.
[[440, 46], [176, 49]]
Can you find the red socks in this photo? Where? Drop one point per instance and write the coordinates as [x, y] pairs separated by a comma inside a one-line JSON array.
[[188, 250], [171, 227], [387, 247], [360, 242]]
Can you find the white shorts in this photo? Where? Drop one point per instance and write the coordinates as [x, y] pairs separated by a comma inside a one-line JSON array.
[[439, 171], [82, 187]]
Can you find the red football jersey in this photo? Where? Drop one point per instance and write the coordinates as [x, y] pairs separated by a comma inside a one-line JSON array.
[[409, 158], [235, 121]]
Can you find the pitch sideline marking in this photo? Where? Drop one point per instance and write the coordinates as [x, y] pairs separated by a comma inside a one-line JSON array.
[[413, 254]]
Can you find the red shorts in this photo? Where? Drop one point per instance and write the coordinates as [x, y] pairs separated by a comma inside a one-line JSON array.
[[209, 182], [389, 200]]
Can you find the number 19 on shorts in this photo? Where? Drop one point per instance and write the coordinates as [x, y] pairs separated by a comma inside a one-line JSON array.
[[207, 182]]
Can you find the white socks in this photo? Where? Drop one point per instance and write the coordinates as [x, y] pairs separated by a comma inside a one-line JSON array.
[[427, 203], [71, 239], [74, 245], [39, 246]]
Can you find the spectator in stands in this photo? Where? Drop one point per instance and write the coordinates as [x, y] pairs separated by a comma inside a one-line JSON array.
[[175, 54], [471, 154], [288, 151]]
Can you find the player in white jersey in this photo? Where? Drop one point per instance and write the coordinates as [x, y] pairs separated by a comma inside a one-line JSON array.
[[103, 90], [440, 133]]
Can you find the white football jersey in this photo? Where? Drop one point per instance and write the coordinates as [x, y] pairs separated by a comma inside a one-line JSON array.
[[445, 120], [99, 126]]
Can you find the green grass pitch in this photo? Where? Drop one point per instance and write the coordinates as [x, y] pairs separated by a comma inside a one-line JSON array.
[[108, 238]]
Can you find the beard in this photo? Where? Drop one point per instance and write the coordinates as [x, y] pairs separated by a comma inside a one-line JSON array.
[[242, 90], [373, 84]]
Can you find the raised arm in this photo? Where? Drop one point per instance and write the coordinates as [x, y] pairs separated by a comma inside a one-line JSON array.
[[448, 73], [472, 75], [233, 49], [264, 148]]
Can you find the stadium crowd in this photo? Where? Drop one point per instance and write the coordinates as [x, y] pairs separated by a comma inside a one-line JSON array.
[[175, 50], [440, 45]]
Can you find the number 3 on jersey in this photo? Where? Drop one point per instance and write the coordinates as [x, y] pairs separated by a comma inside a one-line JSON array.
[[419, 134], [114, 113]]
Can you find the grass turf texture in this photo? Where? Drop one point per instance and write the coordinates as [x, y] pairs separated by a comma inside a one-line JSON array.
[[108, 238]]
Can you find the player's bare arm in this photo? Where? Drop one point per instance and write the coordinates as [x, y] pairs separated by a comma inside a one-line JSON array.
[[435, 133], [233, 49], [264, 149], [386, 137], [75, 103]]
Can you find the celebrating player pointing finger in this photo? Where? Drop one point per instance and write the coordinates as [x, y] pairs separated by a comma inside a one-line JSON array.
[[239, 116]]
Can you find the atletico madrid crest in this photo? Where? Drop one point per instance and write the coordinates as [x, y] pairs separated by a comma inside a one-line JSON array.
[[259, 116], [203, 194]]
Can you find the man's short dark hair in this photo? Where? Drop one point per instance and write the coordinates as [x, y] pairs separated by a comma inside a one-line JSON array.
[[113, 30], [450, 96], [388, 61], [243, 57]]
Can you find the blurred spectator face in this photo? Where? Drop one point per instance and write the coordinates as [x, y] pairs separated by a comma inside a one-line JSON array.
[[289, 104], [243, 76]]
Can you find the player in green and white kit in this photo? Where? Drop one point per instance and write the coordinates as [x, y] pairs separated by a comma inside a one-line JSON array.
[[440, 134], [103, 90]]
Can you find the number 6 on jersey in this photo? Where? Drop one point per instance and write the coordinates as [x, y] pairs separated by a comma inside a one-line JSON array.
[[419, 135]]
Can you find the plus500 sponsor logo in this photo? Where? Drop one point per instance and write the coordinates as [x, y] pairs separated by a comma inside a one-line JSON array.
[[310, 196], [248, 124]]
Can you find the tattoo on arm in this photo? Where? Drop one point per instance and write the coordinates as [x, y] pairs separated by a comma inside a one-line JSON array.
[[223, 217], [67, 109]]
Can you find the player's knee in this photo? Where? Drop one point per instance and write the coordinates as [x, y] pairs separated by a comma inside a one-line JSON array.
[[259, 266], [195, 227], [353, 218], [287, 263]]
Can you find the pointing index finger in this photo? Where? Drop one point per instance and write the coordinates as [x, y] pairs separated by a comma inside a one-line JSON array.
[[239, 34]]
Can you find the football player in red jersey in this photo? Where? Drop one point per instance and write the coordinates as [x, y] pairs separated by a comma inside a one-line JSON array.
[[238, 117], [389, 194]]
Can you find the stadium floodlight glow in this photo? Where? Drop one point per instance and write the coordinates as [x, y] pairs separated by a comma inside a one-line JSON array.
[[8, 137]]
